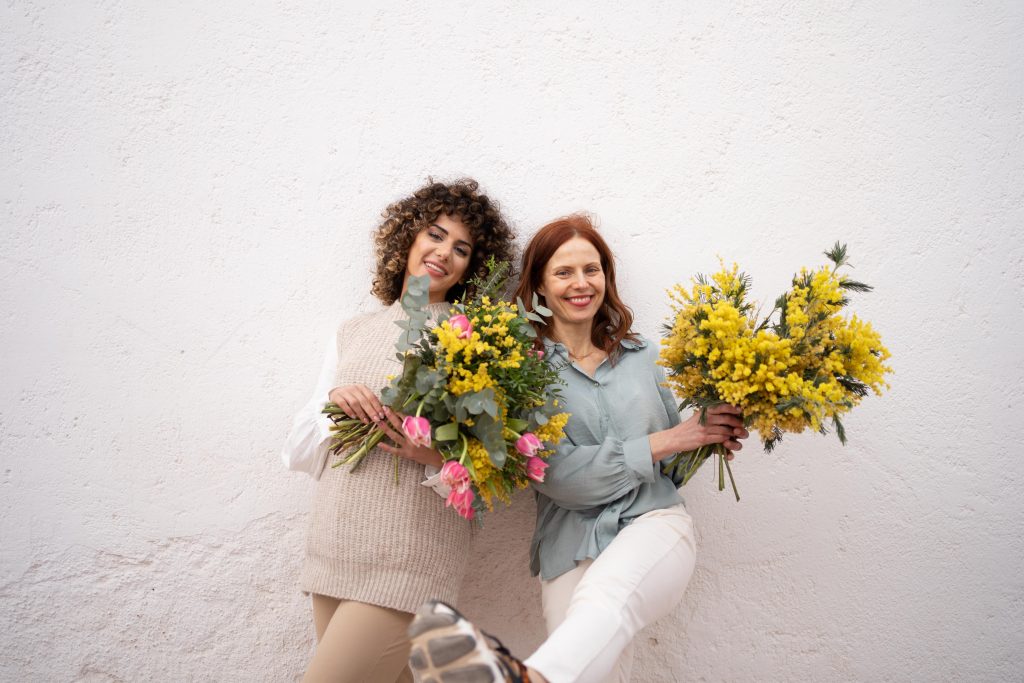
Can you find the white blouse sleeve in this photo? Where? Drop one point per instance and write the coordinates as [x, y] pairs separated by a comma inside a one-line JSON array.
[[433, 480], [306, 448]]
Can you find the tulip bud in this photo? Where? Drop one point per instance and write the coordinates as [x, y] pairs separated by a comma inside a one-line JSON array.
[[461, 324], [528, 444], [535, 469], [417, 429]]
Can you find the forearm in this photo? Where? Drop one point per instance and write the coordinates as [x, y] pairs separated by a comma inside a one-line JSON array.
[[662, 445], [581, 477]]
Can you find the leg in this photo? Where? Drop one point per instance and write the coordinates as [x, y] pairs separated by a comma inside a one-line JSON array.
[[639, 578], [360, 642], [556, 595], [324, 607]]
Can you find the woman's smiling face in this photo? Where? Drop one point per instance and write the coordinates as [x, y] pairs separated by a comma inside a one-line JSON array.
[[441, 250], [573, 282]]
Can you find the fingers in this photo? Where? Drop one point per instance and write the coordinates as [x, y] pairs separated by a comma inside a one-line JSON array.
[[723, 419], [358, 401], [371, 405], [346, 400], [727, 436], [395, 419], [724, 408], [392, 431]]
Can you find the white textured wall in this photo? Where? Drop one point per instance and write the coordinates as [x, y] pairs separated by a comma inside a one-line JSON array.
[[187, 192]]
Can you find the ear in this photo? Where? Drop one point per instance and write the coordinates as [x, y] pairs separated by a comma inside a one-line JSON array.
[[540, 290]]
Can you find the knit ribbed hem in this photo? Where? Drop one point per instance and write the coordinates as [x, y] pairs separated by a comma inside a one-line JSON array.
[[391, 587]]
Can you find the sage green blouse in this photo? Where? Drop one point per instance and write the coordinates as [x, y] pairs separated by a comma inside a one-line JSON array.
[[601, 476]]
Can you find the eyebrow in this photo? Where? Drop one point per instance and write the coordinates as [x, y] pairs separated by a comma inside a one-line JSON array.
[[558, 265], [435, 225]]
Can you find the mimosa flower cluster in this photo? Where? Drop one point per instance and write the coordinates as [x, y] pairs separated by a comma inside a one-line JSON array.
[[802, 367], [473, 387]]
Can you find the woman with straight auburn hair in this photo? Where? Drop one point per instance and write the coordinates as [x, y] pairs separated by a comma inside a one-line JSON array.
[[613, 544]]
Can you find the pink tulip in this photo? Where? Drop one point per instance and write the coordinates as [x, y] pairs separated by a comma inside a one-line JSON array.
[[462, 324], [528, 444], [538, 353], [417, 429], [535, 469], [455, 476], [462, 501]]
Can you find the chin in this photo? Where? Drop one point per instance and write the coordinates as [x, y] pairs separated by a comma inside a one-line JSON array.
[[581, 316]]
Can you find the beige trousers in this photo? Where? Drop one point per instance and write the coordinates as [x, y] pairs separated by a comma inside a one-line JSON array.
[[359, 643]]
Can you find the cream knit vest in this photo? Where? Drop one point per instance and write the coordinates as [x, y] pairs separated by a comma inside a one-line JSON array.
[[370, 539]]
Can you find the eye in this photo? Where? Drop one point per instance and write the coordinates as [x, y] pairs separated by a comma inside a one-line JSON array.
[[435, 235], [593, 269], [462, 251]]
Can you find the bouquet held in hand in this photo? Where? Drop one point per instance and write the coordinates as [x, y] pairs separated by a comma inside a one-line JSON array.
[[473, 387], [802, 367]]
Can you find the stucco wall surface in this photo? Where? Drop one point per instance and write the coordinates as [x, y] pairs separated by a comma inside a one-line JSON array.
[[188, 190]]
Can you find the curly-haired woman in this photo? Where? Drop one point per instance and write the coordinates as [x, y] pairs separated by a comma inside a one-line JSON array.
[[376, 549]]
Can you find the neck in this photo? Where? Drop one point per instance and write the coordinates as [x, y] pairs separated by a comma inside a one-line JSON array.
[[432, 297], [574, 336]]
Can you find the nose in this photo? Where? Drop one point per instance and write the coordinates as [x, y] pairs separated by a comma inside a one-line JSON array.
[[443, 250], [579, 280]]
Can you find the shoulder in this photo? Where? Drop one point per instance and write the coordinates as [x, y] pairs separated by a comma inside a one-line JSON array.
[[366, 324], [638, 349], [638, 343]]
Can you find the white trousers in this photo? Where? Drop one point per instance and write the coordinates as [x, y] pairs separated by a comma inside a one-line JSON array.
[[594, 611]]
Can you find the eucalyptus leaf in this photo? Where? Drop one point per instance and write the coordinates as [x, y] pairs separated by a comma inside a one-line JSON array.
[[488, 403], [489, 432], [543, 310], [530, 315], [474, 402], [426, 380]]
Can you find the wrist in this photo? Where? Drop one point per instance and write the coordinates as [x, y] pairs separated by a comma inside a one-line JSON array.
[[434, 459], [661, 446]]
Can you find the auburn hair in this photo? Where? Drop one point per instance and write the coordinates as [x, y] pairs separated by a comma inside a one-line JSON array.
[[614, 320]]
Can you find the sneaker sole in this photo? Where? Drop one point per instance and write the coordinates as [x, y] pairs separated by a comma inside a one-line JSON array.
[[444, 649]]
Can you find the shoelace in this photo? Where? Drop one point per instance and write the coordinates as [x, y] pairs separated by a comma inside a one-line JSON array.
[[521, 674]]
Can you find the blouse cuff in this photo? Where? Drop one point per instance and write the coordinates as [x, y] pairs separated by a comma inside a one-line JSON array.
[[433, 480], [639, 460], [323, 425]]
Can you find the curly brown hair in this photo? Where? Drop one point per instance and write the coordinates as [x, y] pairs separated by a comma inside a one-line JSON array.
[[403, 220]]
